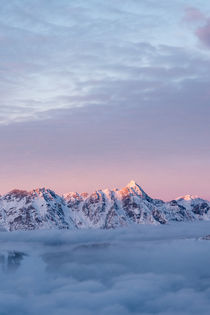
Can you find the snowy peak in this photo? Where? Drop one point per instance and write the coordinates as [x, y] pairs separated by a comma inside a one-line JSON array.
[[187, 198], [40, 191], [134, 188], [16, 194], [38, 209], [20, 194], [132, 183]]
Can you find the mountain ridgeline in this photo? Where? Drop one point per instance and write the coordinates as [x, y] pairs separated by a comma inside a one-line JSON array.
[[104, 209]]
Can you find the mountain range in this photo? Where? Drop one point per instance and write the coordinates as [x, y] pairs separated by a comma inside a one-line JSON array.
[[104, 209]]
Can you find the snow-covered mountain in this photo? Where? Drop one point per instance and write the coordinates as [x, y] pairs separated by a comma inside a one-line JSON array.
[[104, 209], [38, 209]]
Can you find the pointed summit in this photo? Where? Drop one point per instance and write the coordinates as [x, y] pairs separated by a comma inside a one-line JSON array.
[[135, 188], [132, 183]]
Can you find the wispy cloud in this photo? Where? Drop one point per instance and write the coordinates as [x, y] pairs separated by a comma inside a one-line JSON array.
[[58, 55]]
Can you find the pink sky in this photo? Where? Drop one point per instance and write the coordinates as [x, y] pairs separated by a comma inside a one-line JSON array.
[[66, 155]]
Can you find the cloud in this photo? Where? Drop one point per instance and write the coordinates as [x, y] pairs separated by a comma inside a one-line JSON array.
[[193, 15], [203, 33], [201, 21], [70, 50], [144, 269]]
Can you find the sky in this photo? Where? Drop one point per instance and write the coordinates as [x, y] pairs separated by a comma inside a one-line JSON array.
[[96, 93]]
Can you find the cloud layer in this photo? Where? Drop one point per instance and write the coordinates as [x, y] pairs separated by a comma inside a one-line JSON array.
[[147, 270]]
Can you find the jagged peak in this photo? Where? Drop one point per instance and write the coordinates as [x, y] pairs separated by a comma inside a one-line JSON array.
[[135, 188], [132, 183], [84, 194], [15, 190], [187, 197], [18, 193], [71, 194], [40, 190]]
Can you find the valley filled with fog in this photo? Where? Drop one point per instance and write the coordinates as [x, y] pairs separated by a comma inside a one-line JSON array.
[[138, 270]]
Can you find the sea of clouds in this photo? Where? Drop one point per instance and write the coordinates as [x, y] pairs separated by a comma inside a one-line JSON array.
[[138, 270]]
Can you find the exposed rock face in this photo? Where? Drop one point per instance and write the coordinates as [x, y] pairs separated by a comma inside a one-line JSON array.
[[105, 209]]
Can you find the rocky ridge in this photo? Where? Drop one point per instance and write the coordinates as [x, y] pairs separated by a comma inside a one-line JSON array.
[[103, 209]]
